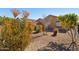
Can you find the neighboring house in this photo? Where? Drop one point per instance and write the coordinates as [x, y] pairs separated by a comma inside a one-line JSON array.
[[49, 22], [52, 22]]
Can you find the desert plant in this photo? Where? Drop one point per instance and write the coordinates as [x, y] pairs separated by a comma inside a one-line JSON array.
[[16, 34], [27, 32], [15, 13], [26, 14], [69, 22], [39, 25], [15, 37]]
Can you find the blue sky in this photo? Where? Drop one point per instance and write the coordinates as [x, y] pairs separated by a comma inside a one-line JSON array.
[[36, 13]]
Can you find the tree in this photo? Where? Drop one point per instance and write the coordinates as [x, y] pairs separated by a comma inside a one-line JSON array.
[[69, 22]]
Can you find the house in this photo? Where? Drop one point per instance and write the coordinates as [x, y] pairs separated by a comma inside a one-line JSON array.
[[52, 22]]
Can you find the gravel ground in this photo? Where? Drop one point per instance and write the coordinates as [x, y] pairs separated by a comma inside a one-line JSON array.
[[39, 40]]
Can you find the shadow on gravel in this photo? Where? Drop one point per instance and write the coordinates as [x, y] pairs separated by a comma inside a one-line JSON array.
[[53, 46], [37, 37]]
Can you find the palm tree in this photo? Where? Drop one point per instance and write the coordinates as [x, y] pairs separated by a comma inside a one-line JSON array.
[[69, 22]]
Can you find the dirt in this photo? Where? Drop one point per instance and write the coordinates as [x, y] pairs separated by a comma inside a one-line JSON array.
[[39, 40]]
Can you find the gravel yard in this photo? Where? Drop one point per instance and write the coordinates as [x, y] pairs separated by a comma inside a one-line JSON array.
[[39, 40]]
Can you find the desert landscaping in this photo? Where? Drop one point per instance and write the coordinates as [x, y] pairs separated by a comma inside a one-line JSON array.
[[39, 41], [48, 33]]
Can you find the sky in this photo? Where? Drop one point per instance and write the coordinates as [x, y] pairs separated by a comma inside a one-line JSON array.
[[36, 13]]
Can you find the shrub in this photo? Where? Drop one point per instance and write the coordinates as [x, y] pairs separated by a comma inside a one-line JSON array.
[[16, 34]]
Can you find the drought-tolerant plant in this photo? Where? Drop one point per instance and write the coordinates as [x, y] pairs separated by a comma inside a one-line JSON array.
[[26, 14], [39, 25], [69, 22], [15, 13], [16, 34]]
